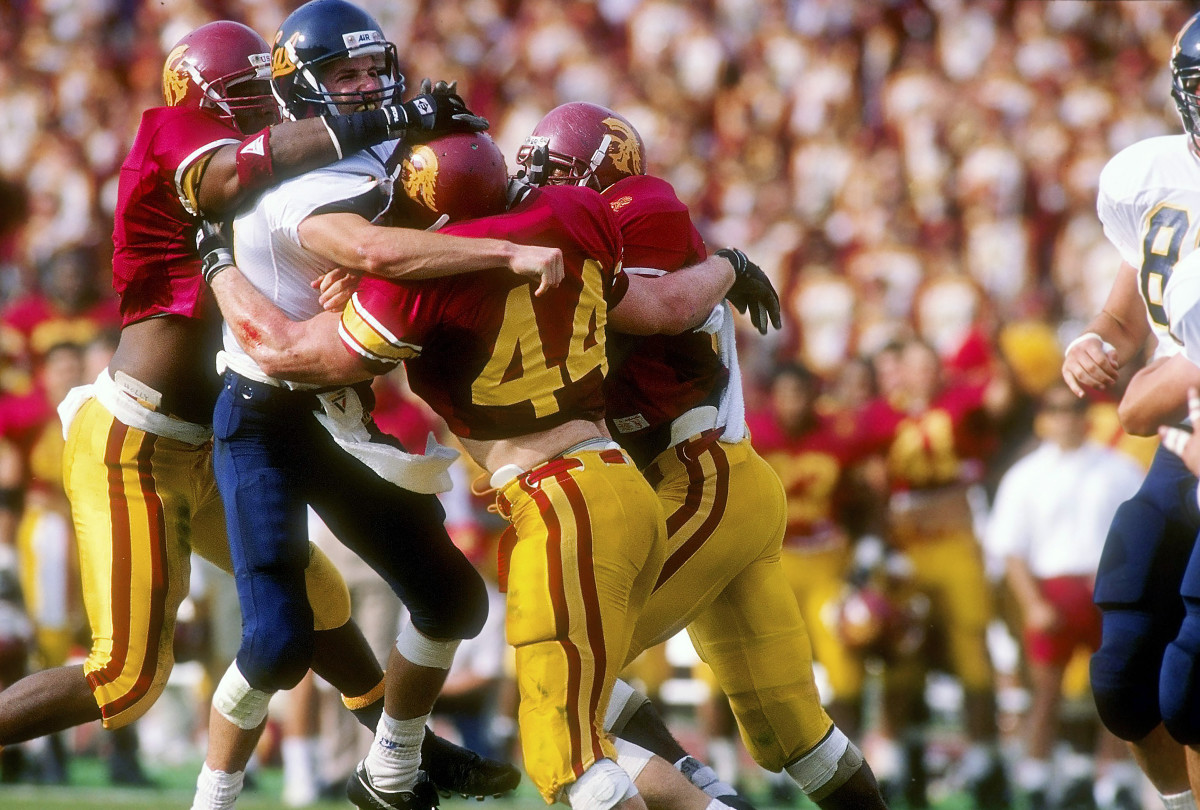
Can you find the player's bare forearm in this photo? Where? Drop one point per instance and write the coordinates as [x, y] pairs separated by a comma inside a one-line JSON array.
[[1111, 339], [1157, 395], [301, 351], [1126, 335], [355, 244], [1020, 581], [672, 303], [1122, 320]]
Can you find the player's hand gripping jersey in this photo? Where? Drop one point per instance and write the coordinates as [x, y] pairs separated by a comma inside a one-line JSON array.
[[472, 342]]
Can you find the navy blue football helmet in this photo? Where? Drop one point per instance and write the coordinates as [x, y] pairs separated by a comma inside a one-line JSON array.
[[1185, 76], [316, 34]]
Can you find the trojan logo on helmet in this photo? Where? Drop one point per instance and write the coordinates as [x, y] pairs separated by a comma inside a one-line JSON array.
[[223, 68], [460, 176]]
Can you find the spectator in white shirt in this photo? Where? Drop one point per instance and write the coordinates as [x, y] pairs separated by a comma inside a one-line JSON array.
[[1048, 524]]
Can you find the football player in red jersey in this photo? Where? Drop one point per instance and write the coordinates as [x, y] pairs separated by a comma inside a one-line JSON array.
[[138, 460], [934, 434], [676, 404], [519, 379]]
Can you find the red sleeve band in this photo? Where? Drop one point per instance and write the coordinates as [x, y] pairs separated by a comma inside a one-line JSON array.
[[255, 169]]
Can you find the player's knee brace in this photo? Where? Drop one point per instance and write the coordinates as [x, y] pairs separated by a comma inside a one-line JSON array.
[[239, 702], [632, 758], [424, 651], [1125, 674], [827, 766], [1179, 681], [623, 705], [602, 787]]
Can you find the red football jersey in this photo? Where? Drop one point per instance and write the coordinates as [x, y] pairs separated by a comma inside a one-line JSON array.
[[488, 356], [810, 466], [33, 323], [944, 444], [155, 267], [657, 378]]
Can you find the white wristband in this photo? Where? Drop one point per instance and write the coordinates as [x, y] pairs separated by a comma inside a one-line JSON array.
[[1105, 346]]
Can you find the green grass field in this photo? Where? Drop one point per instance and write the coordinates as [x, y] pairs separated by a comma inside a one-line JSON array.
[[88, 789]]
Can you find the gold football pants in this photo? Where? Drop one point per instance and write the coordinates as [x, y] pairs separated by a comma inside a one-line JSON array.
[[588, 540], [726, 514], [141, 504]]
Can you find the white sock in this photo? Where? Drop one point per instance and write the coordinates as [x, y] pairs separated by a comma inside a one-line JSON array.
[[1033, 774], [975, 761], [396, 753], [704, 777], [299, 771], [723, 754], [887, 759], [217, 790], [1178, 801]]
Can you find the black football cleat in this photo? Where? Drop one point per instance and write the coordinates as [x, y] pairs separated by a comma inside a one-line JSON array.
[[365, 796], [457, 770], [991, 791], [735, 801]]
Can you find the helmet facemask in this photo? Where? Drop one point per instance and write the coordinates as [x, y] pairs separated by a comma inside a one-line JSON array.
[[245, 98], [560, 168], [1184, 85], [309, 93]]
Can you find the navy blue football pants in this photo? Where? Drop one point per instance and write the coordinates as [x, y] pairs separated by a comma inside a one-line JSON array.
[[1148, 589], [272, 458]]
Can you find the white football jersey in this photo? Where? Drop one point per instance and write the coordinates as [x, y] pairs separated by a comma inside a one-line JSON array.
[[1149, 203], [1181, 300], [266, 240]]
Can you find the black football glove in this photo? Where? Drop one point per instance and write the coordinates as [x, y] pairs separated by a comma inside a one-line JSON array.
[[437, 110], [215, 254], [752, 291], [439, 88]]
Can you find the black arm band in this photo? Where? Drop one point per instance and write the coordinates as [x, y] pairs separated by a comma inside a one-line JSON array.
[[356, 131], [214, 261]]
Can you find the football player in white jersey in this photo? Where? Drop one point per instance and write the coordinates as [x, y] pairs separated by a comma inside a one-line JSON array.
[[1143, 674]]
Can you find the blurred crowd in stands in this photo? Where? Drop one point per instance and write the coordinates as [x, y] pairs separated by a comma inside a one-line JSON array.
[[895, 165], [900, 168]]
